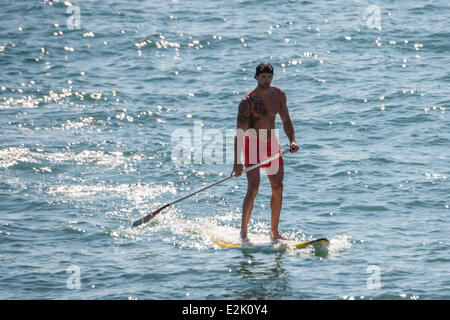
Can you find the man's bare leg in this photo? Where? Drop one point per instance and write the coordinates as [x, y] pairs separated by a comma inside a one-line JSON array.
[[253, 179], [276, 183]]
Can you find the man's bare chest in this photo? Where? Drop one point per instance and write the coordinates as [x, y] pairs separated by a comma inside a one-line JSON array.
[[261, 107]]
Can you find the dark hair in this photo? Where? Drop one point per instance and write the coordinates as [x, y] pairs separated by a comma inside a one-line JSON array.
[[263, 67]]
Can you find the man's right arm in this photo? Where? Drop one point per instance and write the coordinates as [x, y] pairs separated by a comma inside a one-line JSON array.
[[242, 124]]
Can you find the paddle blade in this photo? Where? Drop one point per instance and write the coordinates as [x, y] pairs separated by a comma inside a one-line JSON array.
[[149, 216]]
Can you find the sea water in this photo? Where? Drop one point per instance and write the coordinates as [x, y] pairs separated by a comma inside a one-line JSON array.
[[110, 109]]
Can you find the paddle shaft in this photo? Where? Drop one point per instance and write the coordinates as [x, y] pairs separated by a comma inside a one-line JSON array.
[[154, 213]]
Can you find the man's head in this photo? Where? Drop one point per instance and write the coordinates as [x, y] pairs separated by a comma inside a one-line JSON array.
[[264, 75]]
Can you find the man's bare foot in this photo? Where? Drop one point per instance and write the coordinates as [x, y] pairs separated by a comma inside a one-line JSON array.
[[244, 238], [276, 236]]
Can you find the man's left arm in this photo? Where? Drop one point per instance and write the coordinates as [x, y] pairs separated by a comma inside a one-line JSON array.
[[288, 126]]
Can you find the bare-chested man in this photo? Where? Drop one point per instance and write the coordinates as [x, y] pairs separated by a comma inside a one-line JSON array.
[[257, 111]]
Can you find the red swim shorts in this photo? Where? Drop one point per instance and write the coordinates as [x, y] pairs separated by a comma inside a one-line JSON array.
[[254, 152]]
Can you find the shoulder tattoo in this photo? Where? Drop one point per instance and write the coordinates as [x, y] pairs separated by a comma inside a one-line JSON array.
[[245, 111]]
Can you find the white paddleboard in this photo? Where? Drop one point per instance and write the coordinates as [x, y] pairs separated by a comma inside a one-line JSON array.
[[279, 244]]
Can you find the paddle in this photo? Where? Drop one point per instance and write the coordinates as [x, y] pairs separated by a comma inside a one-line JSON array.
[[154, 213]]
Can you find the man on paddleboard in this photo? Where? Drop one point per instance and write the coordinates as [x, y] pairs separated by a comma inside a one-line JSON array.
[[255, 136]]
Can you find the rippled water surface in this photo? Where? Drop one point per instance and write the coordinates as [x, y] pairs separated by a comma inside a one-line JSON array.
[[94, 93]]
